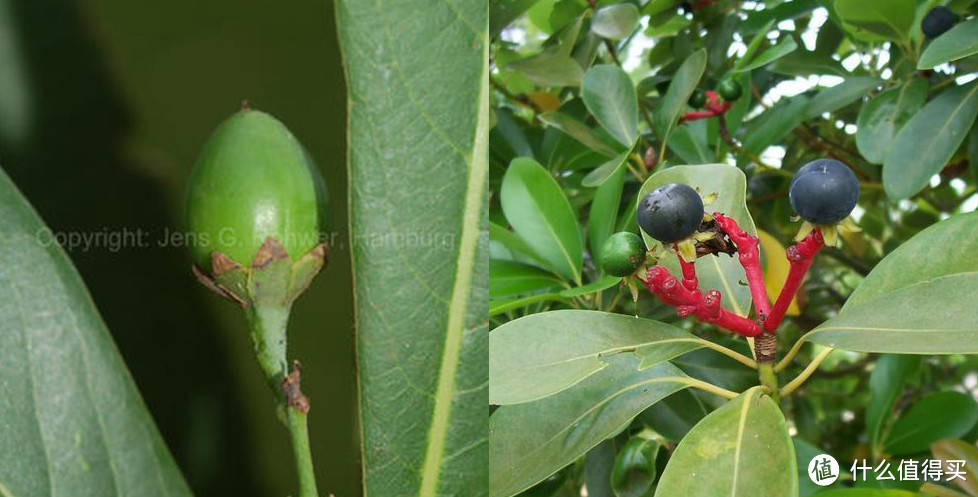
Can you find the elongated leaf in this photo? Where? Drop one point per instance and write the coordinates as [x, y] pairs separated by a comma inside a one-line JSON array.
[[530, 441], [578, 131], [691, 146], [674, 416], [602, 173], [422, 332], [604, 211], [882, 117], [784, 47], [511, 277], [925, 144], [960, 41], [635, 471], [934, 417], [598, 465], [541, 354], [804, 63], [547, 69], [911, 302], [499, 306], [680, 88], [609, 95], [615, 21], [715, 272], [541, 215], [742, 448], [518, 248], [886, 383], [775, 123], [71, 420], [957, 450], [891, 19], [841, 95], [753, 46], [867, 492]]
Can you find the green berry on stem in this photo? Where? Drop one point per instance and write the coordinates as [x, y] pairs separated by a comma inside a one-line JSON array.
[[698, 99], [730, 90], [622, 253]]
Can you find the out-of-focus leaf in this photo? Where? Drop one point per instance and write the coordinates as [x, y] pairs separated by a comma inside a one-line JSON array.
[[886, 383], [504, 12], [73, 422], [911, 302], [841, 95], [804, 63], [925, 144], [891, 19], [957, 450], [881, 118], [615, 22], [511, 278], [549, 69], [542, 354], [609, 95], [670, 26], [516, 246], [530, 441], [784, 47], [753, 46], [867, 492], [691, 146], [578, 131], [934, 417], [604, 211], [721, 272], [804, 453], [634, 471], [499, 306], [775, 123], [598, 464], [680, 88], [602, 173], [776, 268], [742, 448], [960, 41], [438, 131], [674, 416], [597, 286], [540, 214]]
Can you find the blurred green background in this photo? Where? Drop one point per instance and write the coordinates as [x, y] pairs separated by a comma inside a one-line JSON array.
[[104, 105]]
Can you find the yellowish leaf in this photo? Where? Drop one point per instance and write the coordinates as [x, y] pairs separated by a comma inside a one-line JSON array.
[[546, 102], [776, 267]]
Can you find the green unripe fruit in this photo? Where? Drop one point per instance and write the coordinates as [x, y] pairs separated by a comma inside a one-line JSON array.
[[730, 90], [622, 253], [697, 99], [254, 181]]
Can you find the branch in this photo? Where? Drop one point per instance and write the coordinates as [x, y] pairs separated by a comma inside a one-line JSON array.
[[750, 258], [800, 255], [691, 302]]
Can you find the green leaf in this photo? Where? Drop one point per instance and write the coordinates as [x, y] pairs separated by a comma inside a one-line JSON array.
[[511, 277], [922, 276], [548, 69], [691, 145], [753, 46], [578, 131], [925, 144], [72, 420], [615, 22], [886, 383], [959, 42], [604, 212], [742, 448], [784, 47], [680, 88], [936, 416], [426, 298], [516, 246], [720, 272], [598, 464], [540, 214], [884, 114], [775, 123], [499, 306], [804, 63], [609, 95], [891, 19], [597, 286], [867, 492], [530, 441], [602, 173], [539, 355], [634, 471], [669, 27], [957, 450], [841, 95], [674, 416]]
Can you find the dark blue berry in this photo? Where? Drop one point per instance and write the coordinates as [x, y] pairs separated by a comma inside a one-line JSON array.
[[671, 212], [937, 21], [824, 191]]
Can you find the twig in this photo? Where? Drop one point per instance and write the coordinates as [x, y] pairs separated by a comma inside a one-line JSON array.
[[800, 255]]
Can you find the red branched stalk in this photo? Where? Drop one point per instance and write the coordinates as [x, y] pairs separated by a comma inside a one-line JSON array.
[[690, 302], [713, 108], [750, 258], [689, 273], [800, 255], [693, 116]]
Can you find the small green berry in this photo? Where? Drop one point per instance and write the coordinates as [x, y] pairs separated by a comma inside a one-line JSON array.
[[730, 90], [254, 181], [698, 99], [622, 253]]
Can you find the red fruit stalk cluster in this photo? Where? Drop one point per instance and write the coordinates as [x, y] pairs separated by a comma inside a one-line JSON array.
[[713, 105], [688, 300]]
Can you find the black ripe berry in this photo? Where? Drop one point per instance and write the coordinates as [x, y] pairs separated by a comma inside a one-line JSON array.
[[671, 212], [937, 21], [697, 99], [730, 90], [622, 253], [824, 191]]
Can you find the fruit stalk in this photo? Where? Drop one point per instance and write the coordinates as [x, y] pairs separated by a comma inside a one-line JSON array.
[[691, 302], [750, 258], [800, 255]]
